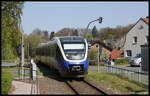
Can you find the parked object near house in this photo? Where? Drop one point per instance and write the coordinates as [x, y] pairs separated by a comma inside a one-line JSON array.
[[137, 36], [145, 57], [135, 61], [111, 62]]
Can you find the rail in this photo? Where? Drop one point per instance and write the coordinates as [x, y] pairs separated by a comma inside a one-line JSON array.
[[104, 93], [88, 84]]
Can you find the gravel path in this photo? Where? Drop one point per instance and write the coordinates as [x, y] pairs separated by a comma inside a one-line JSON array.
[[20, 88], [54, 86]]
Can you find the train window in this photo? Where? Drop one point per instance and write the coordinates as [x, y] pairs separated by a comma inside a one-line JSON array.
[[74, 48], [71, 39]]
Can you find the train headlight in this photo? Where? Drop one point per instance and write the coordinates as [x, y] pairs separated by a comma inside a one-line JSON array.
[[67, 55], [82, 55]]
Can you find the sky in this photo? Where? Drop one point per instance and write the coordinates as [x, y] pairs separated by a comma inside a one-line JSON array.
[[54, 16]]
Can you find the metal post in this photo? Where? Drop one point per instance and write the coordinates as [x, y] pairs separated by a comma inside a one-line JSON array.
[[98, 58], [22, 58], [139, 76], [100, 21], [28, 53]]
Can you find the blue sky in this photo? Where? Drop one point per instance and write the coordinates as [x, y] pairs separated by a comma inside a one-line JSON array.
[[53, 16]]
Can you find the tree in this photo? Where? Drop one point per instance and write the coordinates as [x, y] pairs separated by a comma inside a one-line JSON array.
[[94, 32], [64, 32], [92, 56], [43, 34], [52, 35], [33, 40], [46, 35], [89, 36], [75, 32], [111, 33], [11, 35], [37, 31]]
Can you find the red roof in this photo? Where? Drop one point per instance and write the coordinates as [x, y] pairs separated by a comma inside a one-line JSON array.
[[116, 53], [146, 19]]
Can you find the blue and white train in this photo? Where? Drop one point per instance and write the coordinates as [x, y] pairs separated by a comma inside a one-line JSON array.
[[67, 55]]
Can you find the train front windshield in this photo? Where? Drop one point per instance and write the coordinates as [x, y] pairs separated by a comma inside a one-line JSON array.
[[74, 48]]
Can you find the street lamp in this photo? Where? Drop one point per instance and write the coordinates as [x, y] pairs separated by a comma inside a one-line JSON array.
[[100, 21], [22, 51]]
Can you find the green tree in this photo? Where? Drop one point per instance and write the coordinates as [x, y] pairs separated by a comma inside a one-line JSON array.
[[94, 32], [11, 35], [33, 40], [92, 56], [89, 36], [52, 35], [75, 32]]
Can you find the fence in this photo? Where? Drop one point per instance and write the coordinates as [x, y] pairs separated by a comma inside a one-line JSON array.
[[140, 77], [28, 74], [34, 80]]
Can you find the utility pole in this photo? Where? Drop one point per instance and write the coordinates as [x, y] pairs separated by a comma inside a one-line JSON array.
[[22, 53], [100, 21], [98, 59]]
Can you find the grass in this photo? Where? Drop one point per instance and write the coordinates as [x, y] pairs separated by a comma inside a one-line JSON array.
[[9, 68], [96, 65], [114, 81], [6, 82]]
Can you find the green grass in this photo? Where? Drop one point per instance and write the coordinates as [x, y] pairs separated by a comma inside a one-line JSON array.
[[9, 68], [114, 81], [6, 82], [95, 65]]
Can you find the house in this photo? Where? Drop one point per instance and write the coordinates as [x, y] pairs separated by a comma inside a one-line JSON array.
[[95, 47], [145, 58], [107, 53], [137, 36]]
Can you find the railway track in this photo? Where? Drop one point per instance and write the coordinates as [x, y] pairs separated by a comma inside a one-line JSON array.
[[83, 87]]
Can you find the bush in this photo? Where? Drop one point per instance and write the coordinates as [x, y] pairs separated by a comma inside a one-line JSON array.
[[6, 82], [122, 61], [92, 62], [92, 56]]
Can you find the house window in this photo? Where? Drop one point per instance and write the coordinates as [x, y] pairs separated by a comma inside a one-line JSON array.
[[97, 46], [147, 39], [134, 39], [129, 53], [141, 27]]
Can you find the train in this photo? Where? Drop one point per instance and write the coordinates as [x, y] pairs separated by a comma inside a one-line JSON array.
[[68, 55]]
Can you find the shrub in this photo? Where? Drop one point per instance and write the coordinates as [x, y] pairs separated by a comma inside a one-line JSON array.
[[92, 62], [122, 61], [92, 56], [6, 82]]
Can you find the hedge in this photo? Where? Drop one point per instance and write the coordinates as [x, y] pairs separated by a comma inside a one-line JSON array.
[[92, 55], [6, 82], [122, 61]]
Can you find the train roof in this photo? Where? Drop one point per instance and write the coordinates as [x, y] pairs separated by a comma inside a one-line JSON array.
[[63, 38], [69, 37]]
